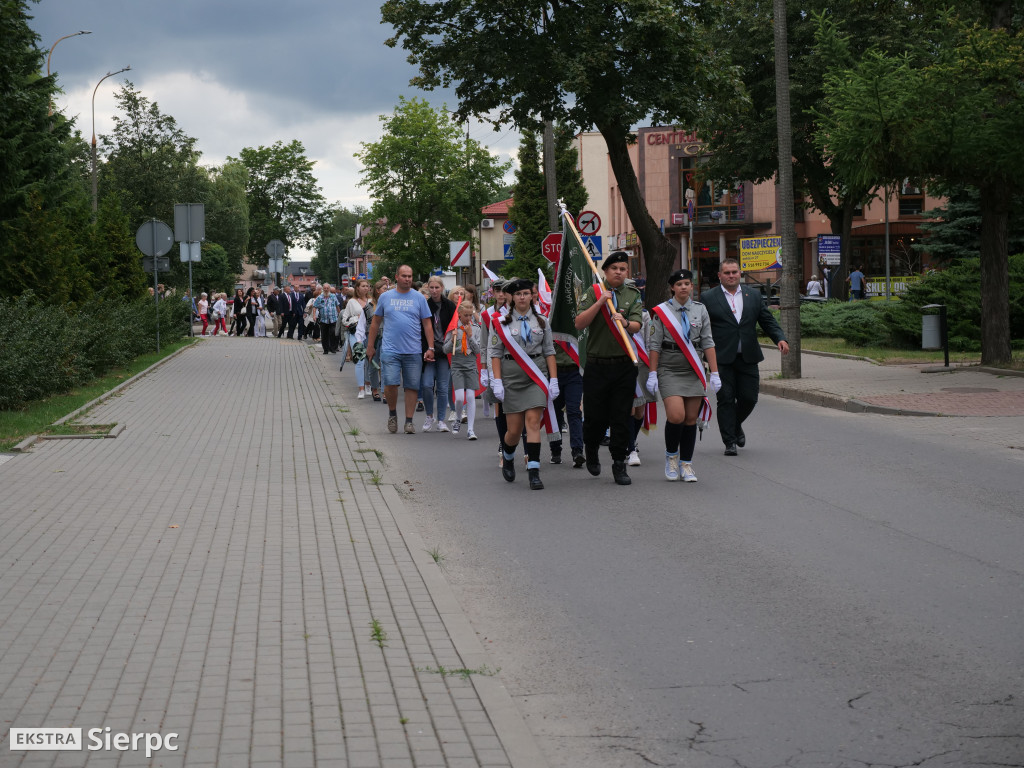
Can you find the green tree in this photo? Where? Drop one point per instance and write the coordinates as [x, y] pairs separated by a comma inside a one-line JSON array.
[[116, 263], [953, 231], [586, 63], [335, 240], [215, 272], [428, 183], [285, 200], [227, 212], [149, 161], [43, 207], [529, 211], [950, 111]]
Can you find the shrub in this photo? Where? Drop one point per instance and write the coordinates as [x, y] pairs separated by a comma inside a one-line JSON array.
[[859, 322], [48, 350]]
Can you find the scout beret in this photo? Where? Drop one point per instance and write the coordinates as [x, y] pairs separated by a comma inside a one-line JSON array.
[[616, 257]]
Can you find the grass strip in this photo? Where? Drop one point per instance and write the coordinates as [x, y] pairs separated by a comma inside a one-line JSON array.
[[37, 417]]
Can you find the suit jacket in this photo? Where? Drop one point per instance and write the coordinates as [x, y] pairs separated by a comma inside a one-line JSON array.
[[296, 307], [728, 333]]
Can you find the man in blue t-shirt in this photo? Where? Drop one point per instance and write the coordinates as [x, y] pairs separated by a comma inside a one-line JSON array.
[[402, 353], [856, 281]]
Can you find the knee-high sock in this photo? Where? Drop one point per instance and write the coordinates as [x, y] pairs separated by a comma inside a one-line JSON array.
[[638, 424], [687, 442], [673, 433], [533, 455], [470, 409]]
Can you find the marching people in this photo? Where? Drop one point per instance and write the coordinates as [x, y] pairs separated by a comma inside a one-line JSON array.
[[609, 378], [491, 315], [274, 310], [259, 314], [407, 320], [520, 344], [735, 312], [680, 331], [238, 315], [643, 398], [204, 311], [220, 309], [463, 344], [326, 308], [354, 309], [291, 312], [436, 373]]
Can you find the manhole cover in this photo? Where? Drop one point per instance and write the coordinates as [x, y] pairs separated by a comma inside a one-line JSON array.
[[969, 390]]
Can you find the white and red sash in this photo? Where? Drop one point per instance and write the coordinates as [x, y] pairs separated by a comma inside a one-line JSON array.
[[571, 348], [650, 409], [607, 315], [670, 320], [532, 370]]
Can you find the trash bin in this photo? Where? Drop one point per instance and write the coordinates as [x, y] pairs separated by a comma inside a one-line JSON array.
[[931, 332]]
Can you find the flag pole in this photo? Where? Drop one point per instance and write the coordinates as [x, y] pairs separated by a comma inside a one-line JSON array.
[[600, 279]]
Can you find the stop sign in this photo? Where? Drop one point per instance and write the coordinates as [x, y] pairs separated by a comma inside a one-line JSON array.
[[551, 247]]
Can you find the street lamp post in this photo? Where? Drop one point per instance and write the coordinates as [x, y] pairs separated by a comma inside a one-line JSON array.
[[109, 74], [50, 55]]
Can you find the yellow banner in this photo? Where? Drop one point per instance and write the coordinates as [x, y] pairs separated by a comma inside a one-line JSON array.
[[757, 253]]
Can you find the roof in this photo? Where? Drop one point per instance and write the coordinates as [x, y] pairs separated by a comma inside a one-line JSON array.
[[497, 209]]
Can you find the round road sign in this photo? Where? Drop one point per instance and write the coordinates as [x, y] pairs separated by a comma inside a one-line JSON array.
[[589, 223], [154, 238]]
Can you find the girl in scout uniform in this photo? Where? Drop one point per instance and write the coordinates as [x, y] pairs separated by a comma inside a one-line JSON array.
[[463, 344], [523, 377], [680, 330]]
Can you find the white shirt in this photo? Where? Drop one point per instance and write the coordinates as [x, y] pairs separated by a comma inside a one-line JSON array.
[[735, 302]]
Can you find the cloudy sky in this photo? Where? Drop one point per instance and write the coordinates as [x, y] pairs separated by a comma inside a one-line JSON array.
[[244, 73]]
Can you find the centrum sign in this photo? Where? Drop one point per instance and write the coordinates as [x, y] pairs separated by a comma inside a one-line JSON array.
[[757, 253]]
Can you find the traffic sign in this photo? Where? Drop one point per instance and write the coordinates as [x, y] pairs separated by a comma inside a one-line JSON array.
[[509, 227], [594, 245], [154, 238], [459, 250], [589, 223], [508, 251], [275, 249], [551, 247], [189, 222], [163, 264]]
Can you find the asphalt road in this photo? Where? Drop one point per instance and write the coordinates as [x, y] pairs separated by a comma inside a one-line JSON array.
[[846, 592]]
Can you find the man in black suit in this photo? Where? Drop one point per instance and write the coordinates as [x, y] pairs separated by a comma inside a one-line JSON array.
[[735, 313], [292, 312]]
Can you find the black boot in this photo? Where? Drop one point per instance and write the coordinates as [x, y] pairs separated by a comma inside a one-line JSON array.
[[535, 481], [508, 462], [593, 462], [619, 473]]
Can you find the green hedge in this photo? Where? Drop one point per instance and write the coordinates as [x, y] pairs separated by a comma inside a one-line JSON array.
[[48, 350], [897, 324]]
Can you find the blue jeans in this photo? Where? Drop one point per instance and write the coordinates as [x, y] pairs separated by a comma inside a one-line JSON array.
[[404, 369], [350, 339], [570, 395], [435, 383]]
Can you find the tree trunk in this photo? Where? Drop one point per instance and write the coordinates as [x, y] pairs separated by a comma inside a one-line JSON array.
[[659, 252], [995, 273], [791, 261]]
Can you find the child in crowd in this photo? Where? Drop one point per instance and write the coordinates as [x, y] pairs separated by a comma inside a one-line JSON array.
[[463, 344]]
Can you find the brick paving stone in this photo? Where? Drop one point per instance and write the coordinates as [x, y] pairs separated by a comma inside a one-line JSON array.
[[214, 571]]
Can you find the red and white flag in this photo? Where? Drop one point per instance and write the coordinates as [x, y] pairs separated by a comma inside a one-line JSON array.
[[543, 292]]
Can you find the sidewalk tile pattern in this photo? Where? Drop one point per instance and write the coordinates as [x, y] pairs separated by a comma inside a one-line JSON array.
[[214, 571]]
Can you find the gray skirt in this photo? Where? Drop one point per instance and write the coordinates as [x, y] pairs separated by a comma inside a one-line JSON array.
[[521, 393], [676, 378], [465, 378]]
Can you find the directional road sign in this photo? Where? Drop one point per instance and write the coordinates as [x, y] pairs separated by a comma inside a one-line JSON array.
[[589, 223]]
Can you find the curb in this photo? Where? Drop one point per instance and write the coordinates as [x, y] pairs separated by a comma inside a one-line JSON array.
[[837, 402]]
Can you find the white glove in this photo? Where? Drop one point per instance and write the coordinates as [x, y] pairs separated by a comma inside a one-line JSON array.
[[483, 377], [652, 382], [716, 382], [553, 388], [499, 390]]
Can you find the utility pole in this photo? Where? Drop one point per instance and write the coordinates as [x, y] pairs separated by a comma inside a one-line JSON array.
[[549, 176]]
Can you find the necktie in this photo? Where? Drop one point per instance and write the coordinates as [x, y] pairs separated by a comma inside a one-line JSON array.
[[686, 322], [526, 328]]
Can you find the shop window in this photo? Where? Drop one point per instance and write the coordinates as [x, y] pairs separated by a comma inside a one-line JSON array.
[[716, 202], [911, 198]]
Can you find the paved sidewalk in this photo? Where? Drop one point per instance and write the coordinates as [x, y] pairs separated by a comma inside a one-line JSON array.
[[908, 390], [214, 571]]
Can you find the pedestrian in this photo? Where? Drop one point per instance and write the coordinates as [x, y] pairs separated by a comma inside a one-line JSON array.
[[609, 378], [492, 314], [258, 312], [326, 307], [407, 321], [643, 398], [291, 312], [204, 311], [436, 378], [735, 312], [373, 364], [274, 310], [354, 309], [523, 378], [814, 286], [310, 327], [857, 283], [220, 309], [680, 331], [462, 343], [568, 404], [238, 313]]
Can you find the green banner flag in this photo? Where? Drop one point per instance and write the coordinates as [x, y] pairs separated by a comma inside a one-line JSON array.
[[572, 279]]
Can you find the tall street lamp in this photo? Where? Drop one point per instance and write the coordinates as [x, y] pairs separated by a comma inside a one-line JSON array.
[[109, 74], [50, 55]]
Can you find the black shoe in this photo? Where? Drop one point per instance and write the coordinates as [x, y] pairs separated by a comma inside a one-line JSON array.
[[741, 439], [730, 450], [508, 468], [419, 406], [535, 481], [619, 473], [606, 440], [577, 460], [556, 458]]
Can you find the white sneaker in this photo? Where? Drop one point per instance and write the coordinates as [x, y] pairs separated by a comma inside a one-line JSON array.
[[456, 426], [672, 466], [361, 395], [634, 459], [688, 476], [428, 423], [451, 416], [471, 435], [441, 426]]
